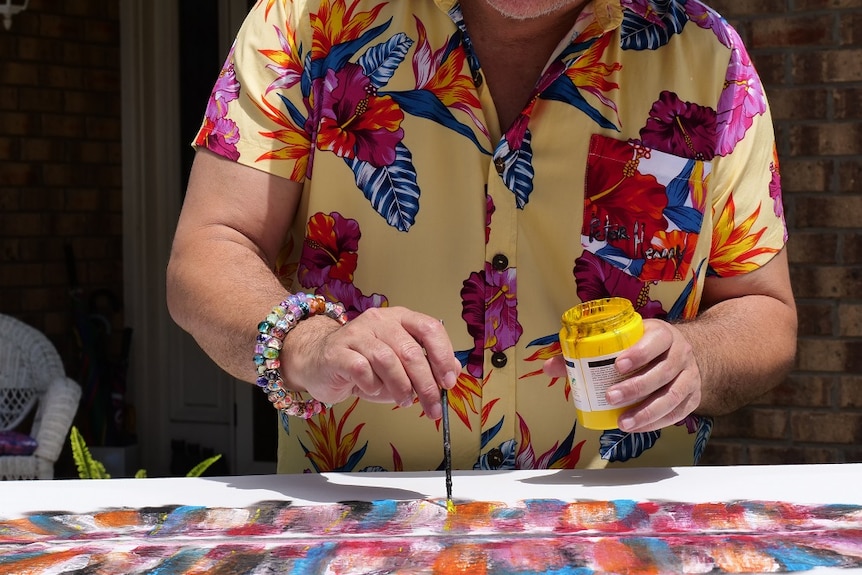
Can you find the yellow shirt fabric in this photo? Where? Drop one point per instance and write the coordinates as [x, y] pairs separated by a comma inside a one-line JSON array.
[[644, 163]]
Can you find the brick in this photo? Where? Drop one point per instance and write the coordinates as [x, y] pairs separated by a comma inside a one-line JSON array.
[[826, 139], [825, 281], [849, 29], [771, 69], [63, 77], [41, 149], [849, 174], [815, 318], [792, 455], [850, 319], [21, 274], [850, 392], [783, 31], [39, 249], [802, 391], [834, 427], [827, 66], [827, 211], [804, 5], [846, 103], [23, 224], [851, 248], [799, 103], [8, 98], [9, 149], [830, 355], [83, 200], [103, 128], [806, 247], [40, 99], [63, 126], [734, 8], [18, 73], [42, 201], [40, 298], [9, 202], [754, 423], [17, 123], [720, 452], [56, 26], [18, 174]]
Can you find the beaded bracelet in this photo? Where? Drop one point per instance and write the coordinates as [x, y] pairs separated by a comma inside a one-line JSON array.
[[271, 333]]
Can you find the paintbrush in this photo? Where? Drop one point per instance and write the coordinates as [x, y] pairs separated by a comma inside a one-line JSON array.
[[447, 450]]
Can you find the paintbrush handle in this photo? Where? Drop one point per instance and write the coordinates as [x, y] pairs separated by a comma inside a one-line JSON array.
[[447, 444]]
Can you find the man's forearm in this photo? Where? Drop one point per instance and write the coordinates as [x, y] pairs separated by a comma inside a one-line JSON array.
[[744, 347]]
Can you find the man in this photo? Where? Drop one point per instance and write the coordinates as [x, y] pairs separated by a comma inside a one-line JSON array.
[[457, 175]]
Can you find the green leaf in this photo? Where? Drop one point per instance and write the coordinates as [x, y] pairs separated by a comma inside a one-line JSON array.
[[88, 468], [141, 474], [201, 467]]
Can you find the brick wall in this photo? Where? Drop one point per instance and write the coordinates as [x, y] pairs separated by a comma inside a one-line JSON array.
[[60, 185], [809, 55], [60, 177]]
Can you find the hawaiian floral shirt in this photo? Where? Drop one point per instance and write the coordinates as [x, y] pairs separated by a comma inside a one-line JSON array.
[[643, 163]]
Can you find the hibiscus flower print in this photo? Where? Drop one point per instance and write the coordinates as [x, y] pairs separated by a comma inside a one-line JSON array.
[[597, 279], [329, 252], [680, 128], [490, 310], [219, 133], [355, 122], [741, 100]]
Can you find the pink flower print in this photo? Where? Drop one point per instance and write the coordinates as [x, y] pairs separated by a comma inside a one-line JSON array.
[[741, 99], [355, 122], [708, 19], [490, 311]]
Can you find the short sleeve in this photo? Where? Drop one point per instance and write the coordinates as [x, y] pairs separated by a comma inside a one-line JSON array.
[[748, 216], [257, 113]]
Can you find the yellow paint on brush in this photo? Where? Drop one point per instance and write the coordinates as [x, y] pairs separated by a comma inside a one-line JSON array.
[[450, 506]]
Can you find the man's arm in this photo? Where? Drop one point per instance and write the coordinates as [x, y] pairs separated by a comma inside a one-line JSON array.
[[220, 284], [741, 345], [219, 277]]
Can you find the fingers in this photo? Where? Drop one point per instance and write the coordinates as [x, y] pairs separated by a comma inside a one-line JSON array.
[[664, 379], [383, 355]]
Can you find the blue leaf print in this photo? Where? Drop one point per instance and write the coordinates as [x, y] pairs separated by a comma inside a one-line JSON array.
[[687, 218], [489, 433], [704, 430], [518, 172], [380, 62], [294, 112], [675, 312], [545, 340], [617, 445], [565, 447], [618, 258], [424, 104], [563, 90], [463, 356], [392, 190], [639, 33], [506, 451], [342, 53]]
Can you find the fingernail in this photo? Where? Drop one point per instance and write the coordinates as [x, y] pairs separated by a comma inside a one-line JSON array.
[[626, 423], [436, 412], [623, 365], [406, 402], [614, 396], [450, 379]]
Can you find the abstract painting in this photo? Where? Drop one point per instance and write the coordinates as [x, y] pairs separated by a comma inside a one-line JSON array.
[[535, 536]]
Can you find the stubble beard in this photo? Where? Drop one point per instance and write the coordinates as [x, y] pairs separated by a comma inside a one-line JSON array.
[[528, 9]]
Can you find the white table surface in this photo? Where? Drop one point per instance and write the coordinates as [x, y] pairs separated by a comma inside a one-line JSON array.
[[814, 484], [53, 504]]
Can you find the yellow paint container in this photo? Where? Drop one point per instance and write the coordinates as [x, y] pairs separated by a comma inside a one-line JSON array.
[[593, 335]]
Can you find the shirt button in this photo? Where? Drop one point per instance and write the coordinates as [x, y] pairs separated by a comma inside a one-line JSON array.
[[499, 262], [477, 79], [500, 165], [499, 359]]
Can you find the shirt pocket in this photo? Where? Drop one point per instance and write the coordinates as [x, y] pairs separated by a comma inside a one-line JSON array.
[[643, 208]]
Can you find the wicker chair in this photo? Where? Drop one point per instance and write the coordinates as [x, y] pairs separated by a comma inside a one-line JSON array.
[[32, 377]]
